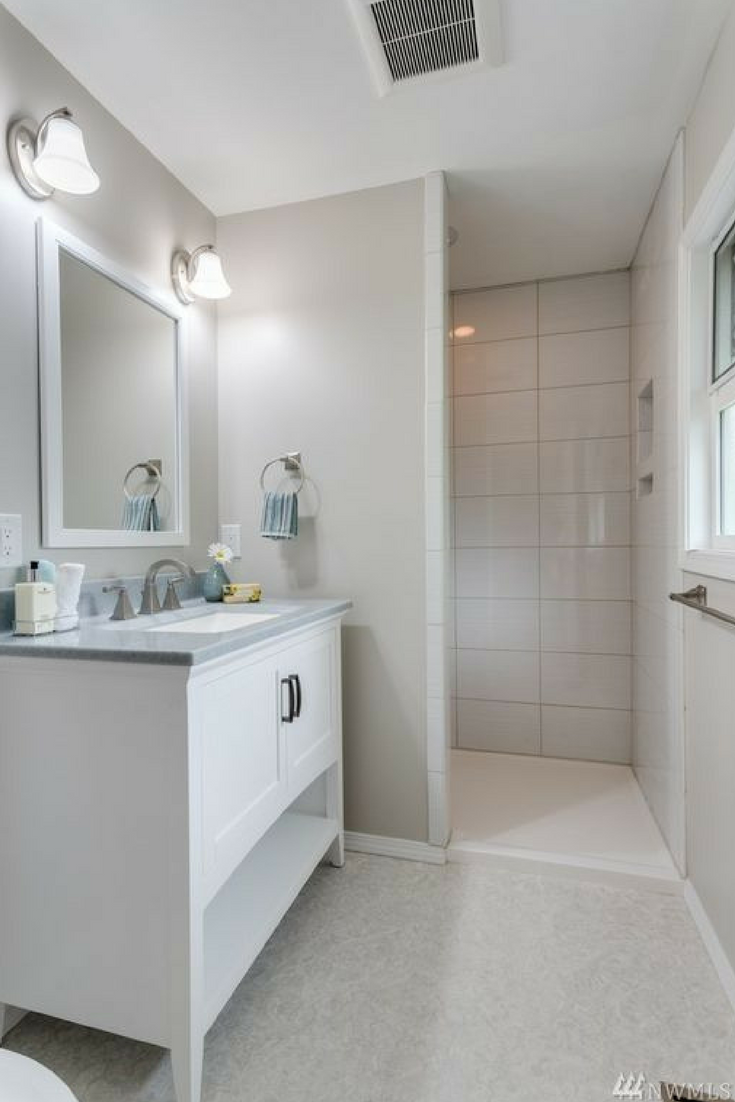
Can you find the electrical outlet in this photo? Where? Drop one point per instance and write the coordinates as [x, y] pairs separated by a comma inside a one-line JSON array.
[[11, 540], [229, 534]]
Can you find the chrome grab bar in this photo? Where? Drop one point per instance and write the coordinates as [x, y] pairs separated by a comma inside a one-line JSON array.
[[697, 599]]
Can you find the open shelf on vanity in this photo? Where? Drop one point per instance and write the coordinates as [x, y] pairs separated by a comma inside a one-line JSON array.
[[243, 914]]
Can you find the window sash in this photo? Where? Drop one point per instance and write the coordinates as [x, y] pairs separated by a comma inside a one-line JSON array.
[[722, 300], [721, 399]]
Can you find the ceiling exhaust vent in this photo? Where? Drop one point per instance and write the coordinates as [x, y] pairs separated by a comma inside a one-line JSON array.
[[411, 40], [425, 38]]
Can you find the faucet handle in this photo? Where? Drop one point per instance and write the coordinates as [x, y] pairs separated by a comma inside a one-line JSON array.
[[123, 609], [171, 602]]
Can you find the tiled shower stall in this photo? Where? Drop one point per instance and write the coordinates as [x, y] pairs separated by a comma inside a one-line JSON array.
[[542, 508]]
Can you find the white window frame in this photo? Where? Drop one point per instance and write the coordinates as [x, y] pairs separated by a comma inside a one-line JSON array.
[[701, 397], [722, 395]]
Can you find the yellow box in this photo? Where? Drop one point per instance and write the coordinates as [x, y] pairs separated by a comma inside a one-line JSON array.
[[241, 593]]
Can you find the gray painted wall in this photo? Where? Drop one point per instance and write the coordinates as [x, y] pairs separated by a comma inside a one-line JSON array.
[[139, 215], [321, 350], [712, 118]]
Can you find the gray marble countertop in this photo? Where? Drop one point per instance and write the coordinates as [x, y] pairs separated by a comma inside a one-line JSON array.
[[99, 638]]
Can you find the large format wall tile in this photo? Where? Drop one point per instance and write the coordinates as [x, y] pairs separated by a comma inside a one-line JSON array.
[[500, 624], [585, 466], [586, 627], [585, 680], [541, 520], [595, 734], [496, 418], [496, 366], [496, 469], [581, 412], [585, 520], [498, 675], [585, 302], [498, 572], [496, 315], [509, 728], [497, 521], [587, 573], [578, 359]]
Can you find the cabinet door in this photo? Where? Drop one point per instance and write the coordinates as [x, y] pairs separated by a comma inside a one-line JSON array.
[[312, 736], [243, 774]]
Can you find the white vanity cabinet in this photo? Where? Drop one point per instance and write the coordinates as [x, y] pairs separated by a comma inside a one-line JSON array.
[[156, 823]]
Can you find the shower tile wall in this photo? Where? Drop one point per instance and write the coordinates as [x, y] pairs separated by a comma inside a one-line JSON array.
[[542, 518]]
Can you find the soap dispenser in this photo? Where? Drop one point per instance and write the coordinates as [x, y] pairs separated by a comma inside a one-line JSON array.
[[35, 605]]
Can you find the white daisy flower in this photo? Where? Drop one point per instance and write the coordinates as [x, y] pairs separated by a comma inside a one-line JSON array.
[[220, 552]]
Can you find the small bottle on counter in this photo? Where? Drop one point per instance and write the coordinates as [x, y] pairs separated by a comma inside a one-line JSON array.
[[35, 605]]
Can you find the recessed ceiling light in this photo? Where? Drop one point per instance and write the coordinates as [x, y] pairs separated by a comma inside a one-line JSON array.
[[464, 331]]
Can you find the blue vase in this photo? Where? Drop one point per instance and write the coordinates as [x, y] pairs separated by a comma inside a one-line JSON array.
[[214, 579]]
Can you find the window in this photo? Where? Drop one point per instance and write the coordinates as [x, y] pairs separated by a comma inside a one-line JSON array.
[[722, 391], [706, 340], [723, 345], [726, 464]]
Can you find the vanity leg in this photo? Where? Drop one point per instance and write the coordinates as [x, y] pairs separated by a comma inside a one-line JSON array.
[[186, 1063], [336, 852], [186, 910]]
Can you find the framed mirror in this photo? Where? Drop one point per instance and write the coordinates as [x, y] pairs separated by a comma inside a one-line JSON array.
[[114, 448]]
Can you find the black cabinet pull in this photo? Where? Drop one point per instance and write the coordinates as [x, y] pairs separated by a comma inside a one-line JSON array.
[[291, 700], [297, 681]]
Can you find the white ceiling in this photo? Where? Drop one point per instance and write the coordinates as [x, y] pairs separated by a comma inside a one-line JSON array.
[[552, 159]]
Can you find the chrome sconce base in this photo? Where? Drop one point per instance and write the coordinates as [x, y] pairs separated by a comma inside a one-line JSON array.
[[22, 137], [180, 276]]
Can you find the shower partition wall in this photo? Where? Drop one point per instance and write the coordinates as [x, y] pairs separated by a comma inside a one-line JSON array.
[[439, 612], [541, 494]]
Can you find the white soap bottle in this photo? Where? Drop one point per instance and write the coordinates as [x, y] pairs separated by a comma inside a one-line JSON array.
[[35, 605]]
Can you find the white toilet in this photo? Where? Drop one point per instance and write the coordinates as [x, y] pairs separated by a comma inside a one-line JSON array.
[[24, 1080]]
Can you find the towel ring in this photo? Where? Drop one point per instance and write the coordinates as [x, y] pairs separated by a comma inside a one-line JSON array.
[[151, 470], [292, 462]]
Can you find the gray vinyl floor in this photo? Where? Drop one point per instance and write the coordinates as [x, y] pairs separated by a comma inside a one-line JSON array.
[[398, 982]]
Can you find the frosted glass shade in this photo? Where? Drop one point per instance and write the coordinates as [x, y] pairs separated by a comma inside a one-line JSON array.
[[61, 161], [208, 280]]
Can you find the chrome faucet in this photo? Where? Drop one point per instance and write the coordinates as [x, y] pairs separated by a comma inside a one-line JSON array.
[[150, 602]]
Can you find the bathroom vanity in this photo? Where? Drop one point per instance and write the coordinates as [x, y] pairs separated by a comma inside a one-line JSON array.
[[166, 789]]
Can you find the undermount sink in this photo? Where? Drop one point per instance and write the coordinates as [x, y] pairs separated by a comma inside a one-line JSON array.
[[215, 622]]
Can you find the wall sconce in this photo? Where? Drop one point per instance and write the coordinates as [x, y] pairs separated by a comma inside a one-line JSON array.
[[50, 156], [198, 275]]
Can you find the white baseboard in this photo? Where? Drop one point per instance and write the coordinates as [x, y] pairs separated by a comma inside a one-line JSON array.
[[405, 848], [718, 956]]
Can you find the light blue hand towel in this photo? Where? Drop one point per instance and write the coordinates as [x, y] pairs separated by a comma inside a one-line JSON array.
[[141, 514], [280, 517]]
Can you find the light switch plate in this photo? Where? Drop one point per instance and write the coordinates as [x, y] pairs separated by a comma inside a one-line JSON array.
[[229, 534], [11, 540]]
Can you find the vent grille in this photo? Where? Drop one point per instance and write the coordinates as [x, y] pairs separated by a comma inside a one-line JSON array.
[[426, 36]]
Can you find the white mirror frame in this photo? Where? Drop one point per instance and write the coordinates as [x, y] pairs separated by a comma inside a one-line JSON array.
[[50, 240]]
